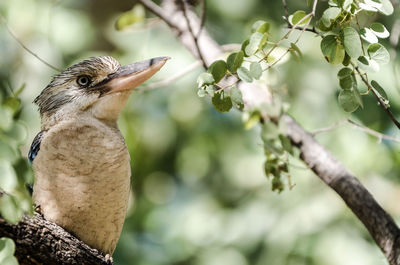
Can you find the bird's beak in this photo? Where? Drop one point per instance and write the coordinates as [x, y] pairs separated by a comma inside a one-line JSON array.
[[130, 76]]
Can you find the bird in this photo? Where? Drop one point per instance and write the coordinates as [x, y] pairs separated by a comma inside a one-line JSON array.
[[79, 158]]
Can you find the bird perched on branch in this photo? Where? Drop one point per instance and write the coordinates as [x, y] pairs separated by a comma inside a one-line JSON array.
[[80, 160]]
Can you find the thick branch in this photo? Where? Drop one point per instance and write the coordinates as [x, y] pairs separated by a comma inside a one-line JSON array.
[[39, 241], [379, 224]]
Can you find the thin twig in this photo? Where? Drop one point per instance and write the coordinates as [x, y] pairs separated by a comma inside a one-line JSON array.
[[330, 128], [202, 19], [157, 10], [285, 7], [383, 105], [378, 135], [195, 39], [4, 22], [171, 79], [358, 126]]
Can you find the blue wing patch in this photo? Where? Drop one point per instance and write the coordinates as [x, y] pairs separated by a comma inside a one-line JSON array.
[[35, 147]]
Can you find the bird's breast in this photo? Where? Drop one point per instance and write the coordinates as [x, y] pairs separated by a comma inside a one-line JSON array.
[[82, 180]]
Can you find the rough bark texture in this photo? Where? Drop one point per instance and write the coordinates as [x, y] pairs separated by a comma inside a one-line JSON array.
[[39, 241], [380, 224]]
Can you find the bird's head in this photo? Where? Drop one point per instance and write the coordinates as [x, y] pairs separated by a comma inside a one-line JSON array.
[[98, 86]]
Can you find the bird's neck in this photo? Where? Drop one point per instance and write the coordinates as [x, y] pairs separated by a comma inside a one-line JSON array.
[[51, 121], [106, 110]]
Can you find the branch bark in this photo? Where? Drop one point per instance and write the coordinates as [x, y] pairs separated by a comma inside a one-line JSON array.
[[380, 224], [39, 241]]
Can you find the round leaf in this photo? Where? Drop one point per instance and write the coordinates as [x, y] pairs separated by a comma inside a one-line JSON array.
[[255, 70], [218, 70], [352, 42], [260, 26], [221, 102], [136, 15], [348, 100], [344, 72], [257, 41], [346, 82], [8, 180], [368, 64], [378, 53], [297, 17], [244, 74], [386, 8], [205, 79], [7, 248], [368, 35], [379, 30], [379, 89], [332, 49], [237, 97], [330, 15], [234, 61]]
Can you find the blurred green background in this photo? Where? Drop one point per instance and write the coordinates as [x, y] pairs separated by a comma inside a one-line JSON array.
[[200, 194]]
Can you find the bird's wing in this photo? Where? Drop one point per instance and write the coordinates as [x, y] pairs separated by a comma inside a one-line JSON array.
[[35, 147]]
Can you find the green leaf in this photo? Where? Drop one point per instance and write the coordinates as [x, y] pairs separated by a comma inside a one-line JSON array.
[[244, 74], [297, 17], [344, 72], [346, 60], [9, 209], [277, 184], [257, 42], [348, 100], [368, 35], [237, 97], [286, 143], [346, 82], [295, 48], [7, 249], [19, 90], [269, 131], [386, 8], [244, 45], [330, 15], [218, 70], [368, 64], [201, 93], [370, 6], [332, 49], [234, 61], [10, 260], [352, 42], [13, 103], [255, 70], [8, 180], [378, 53], [221, 102], [345, 4], [205, 79], [251, 119], [380, 90], [210, 89], [136, 15], [261, 26], [379, 30]]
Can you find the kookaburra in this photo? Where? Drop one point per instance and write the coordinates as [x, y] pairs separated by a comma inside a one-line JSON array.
[[80, 160]]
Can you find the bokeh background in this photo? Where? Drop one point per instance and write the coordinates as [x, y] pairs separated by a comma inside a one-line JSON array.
[[200, 194]]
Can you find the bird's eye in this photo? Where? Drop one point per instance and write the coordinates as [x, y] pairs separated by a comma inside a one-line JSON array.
[[83, 80]]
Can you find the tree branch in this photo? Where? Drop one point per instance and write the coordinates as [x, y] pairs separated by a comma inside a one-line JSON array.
[[39, 241], [379, 224], [4, 21]]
